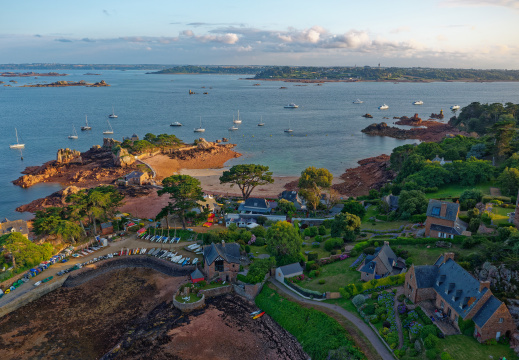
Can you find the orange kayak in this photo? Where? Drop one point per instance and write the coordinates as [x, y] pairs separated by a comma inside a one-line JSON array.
[[259, 315]]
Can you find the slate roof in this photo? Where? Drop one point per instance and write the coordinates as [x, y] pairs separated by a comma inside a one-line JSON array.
[[425, 276], [229, 253], [386, 257], [369, 267], [486, 311], [291, 269], [197, 274], [457, 287], [452, 210], [133, 174], [290, 195], [392, 201], [445, 229], [106, 225]]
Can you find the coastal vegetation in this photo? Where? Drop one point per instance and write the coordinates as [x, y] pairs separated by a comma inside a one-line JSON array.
[[150, 143], [247, 177], [316, 332], [355, 73], [221, 70], [312, 183]]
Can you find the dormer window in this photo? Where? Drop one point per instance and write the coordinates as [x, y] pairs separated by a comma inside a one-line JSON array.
[[449, 288], [435, 211]]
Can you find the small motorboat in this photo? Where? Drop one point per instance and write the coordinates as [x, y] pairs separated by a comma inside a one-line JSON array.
[[418, 102], [383, 107], [233, 128], [291, 106], [358, 101], [455, 107], [255, 313], [176, 123]]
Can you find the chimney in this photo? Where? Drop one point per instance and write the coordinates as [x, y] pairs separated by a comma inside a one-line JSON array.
[[386, 243], [443, 211], [223, 243], [448, 256], [484, 284]]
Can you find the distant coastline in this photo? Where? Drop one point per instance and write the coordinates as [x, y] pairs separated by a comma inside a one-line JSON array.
[[29, 74]]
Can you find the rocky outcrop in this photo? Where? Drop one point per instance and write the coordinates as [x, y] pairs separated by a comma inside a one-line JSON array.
[[373, 173], [122, 158], [109, 143], [431, 131], [65, 156], [368, 116], [413, 121], [57, 199], [437, 116]]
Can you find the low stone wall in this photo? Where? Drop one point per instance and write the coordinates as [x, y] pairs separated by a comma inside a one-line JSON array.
[[217, 291], [187, 307], [249, 291], [91, 271], [332, 295], [30, 296]]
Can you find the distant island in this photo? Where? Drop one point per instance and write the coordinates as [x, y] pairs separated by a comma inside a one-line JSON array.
[[70, 83], [29, 74], [190, 69], [393, 74]]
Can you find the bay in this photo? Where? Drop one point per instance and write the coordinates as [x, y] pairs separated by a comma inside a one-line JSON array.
[[326, 125]]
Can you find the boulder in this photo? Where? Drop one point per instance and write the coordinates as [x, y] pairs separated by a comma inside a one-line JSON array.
[[122, 158]]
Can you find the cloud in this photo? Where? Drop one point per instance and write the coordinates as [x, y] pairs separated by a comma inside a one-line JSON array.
[[106, 12], [400, 29], [197, 24], [87, 40], [149, 39], [513, 4], [37, 35], [63, 40], [228, 38]]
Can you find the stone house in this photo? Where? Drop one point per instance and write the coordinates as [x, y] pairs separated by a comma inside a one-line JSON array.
[[255, 206], [222, 260], [107, 228], [442, 220], [293, 197], [8, 226], [458, 294], [135, 178], [381, 264]]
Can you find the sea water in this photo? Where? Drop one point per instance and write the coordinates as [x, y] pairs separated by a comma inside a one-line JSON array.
[[326, 126]]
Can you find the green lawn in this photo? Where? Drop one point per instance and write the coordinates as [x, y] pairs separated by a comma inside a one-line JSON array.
[[258, 250], [419, 254], [455, 190], [462, 347], [192, 298], [321, 253], [336, 275], [500, 214], [382, 225], [372, 211]]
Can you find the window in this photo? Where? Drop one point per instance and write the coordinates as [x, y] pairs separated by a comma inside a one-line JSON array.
[[218, 265], [435, 211], [501, 320], [411, 277]]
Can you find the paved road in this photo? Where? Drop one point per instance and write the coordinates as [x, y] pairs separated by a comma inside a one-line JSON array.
[[365, 329]]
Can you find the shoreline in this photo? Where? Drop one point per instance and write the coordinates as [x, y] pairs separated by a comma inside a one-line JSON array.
[[317, 81]]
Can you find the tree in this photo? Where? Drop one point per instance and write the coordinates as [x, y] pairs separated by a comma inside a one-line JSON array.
[[247, 177], [332, 199], [477, 151], [509, 181], [412, 202], [312, 196], [312, 176], [504, 132], [345, 225], [21, 252], [354, 207], [184, 193], [284, 242], [286, 206]]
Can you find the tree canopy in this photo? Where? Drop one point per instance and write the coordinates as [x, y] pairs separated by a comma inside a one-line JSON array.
[[286, 206], [21, 252], [345, 225], [412, 202], [184, 193], [247, 177], [284, 242], [354, 207], [313, 176]]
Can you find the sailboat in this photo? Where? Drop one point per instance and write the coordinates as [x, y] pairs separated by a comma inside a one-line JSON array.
[[261, 123], [111, 131], [112, 115], [86, 127], [237, 121], [200, 129], [233, 128], [358, 101], [289, 130], [17, 145], [74, 133]]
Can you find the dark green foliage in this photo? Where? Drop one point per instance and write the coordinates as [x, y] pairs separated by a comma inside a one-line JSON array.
[[508, 181], [369, 309], [284, 243], [333, 243], [21, 252], [247, 177], [432, 354], [286, 206], [412, 202], [473, 194], [258, 269], [427, 331], [345, 224], [312, 256], [474, 225], [466, 326], [322, 230], [261, 220], [431, 341], [247, 249], [317, 332], [354, 207]]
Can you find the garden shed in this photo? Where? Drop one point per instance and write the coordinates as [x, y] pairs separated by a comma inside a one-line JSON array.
[[196, 276], [288, 271]]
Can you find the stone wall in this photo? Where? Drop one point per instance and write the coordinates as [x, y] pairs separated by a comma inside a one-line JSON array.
[[187, 307], [332, 295], [30, 296], [209, 293]]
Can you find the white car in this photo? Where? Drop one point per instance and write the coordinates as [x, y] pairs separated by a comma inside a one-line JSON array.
[[37, 283]]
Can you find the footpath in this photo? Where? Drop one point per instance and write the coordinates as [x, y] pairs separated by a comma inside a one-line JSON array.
[[365, 329]]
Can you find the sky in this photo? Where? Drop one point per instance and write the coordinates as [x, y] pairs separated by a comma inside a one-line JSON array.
[[427, 33]]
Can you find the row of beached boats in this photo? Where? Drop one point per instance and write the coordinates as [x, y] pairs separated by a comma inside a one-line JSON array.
[[160, 239], [161, 254]]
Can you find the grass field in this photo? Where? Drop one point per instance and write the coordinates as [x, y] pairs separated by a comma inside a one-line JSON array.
[[383, 225], [258, 250], [462, 347], [455, 190], [321, 253], [419, 254], [336, 275]]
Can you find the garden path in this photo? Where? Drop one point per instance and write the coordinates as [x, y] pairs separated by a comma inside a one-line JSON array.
[[399, 290], [365, 329]]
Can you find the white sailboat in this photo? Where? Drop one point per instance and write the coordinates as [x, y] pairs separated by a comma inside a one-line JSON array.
[[86, 127], [358, 101], [17, 145], [200, 129], [111, 131], [74, 133], [289, 130], [112, 115], [261, 123], [237, 121]]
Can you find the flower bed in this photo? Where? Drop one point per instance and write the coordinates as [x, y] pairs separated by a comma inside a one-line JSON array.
[[412, 323], [387, 300], [357, 262]]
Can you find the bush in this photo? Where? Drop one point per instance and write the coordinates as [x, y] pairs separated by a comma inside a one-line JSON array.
[[431, 341], [312, 273], [446, 356], [322, 281], [431, 354], [258, 269], [401, 297], [358, 300], [428, 330], [307, 232], [312, 256], [247, 249], [314, 231], [318, 238], [419, 218], [369, 309], [322, 230], [333, 243]]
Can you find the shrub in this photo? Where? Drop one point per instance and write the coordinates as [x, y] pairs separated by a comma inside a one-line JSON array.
[[431, 354], [322, 230], [401, 297], [316, 245], [428, 330], [258, 269], [247, 249], [446, 356], [333, 252], [322, 281], [358, 300], [491, 342], [312, 274], [307, 232], [431, 341], [312, 256], [314, 231], [369, 309], [333, 243], [318, 238]]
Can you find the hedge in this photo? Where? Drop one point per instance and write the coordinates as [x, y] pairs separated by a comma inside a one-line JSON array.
[[488, 198], [405, 241], [372, 285]]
